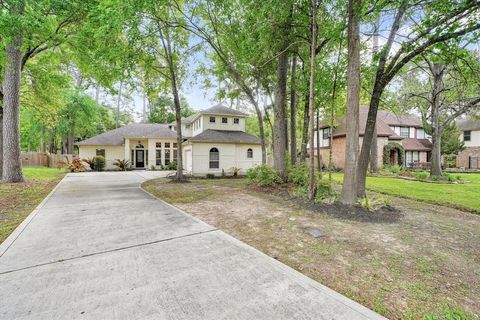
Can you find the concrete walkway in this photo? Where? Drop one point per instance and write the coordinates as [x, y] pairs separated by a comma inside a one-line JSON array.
[[99, 247]]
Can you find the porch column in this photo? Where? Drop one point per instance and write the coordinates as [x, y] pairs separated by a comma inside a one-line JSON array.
[[127, 150], [151, 152]]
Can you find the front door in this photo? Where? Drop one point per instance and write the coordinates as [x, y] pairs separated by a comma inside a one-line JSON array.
[[139, 159]]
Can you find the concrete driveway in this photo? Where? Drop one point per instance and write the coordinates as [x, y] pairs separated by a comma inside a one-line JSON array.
[[99, 247]]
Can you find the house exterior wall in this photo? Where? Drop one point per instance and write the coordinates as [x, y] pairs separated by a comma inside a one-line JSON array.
[[338, 156], [231, 155], [111, 154], [474, 139], [150, 145], [218, 125], [463, 157]]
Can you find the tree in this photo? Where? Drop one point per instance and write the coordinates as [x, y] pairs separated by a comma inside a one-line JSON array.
[[440, 22], [29, 28], [311, 103], [349, 188], [162, 110]]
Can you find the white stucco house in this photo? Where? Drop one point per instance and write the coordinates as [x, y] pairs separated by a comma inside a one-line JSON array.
[[469, 158], [214, 140]]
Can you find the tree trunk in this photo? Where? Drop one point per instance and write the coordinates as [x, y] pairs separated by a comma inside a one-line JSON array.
[[261, 129], [70, 140], [279, 133], [437, 72], [1, 140], [12, 165], [349, 194], [166, 41], [319, 156], [311, 103], [306, 121], [293, 114], [374, 152], [374, 147]]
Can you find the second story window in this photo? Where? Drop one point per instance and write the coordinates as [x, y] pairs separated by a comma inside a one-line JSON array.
[[325, 133], [212, 119], [404, 132], [187, 126], [236, 120], [249, 153], [224, 120], [467, 135]]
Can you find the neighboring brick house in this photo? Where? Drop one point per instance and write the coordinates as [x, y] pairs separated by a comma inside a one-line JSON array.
[[392, 131], [470, 156]]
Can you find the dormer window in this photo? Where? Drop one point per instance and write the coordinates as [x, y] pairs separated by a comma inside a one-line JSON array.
[[405, 132], [212, 119], [236, 120], [224, 120]]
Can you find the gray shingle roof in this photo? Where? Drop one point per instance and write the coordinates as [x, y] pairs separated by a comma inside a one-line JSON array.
[[223, 136], [222, 110], [468, 125], [134, 130]]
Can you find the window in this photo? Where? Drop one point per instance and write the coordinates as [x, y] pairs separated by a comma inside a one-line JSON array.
[[174, 144], [405, 132], [167, 145], [212, 119], [326, 133], [467, 135], [167, 156], [158, 153], [187, 126], [214, 158], [100, 153], [236, 120], [224, 120], [411, 157], [249, 153], [175, 155]]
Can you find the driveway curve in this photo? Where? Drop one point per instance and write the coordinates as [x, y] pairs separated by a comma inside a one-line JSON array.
[[99, 247]]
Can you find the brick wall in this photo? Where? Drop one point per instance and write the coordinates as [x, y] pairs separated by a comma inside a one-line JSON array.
[[464, 156]]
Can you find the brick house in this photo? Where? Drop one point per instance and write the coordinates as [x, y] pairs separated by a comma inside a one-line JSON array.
[[401, 137], [470, 157]]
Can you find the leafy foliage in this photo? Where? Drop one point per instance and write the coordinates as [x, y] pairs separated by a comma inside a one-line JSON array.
[[123, 165], [99, 163], [263, 175]]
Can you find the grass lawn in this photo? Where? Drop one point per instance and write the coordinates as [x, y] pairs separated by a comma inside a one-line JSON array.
[[422, 265], [463, 196], [17, 200]]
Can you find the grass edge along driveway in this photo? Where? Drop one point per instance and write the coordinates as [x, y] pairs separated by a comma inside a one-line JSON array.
[[460, 196], [17, 200]]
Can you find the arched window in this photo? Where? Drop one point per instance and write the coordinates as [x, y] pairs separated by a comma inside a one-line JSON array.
[[214, 158], [249, 153], [139, 146]]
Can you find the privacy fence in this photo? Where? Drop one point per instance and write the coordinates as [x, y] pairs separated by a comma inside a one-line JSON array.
[[43, 159]]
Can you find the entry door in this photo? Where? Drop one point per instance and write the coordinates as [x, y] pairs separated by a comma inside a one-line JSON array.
[[139, 158]]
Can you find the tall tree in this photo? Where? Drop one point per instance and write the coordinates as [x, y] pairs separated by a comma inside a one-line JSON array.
[[349, 188], [293, 111], [311, 103], [437, 23]]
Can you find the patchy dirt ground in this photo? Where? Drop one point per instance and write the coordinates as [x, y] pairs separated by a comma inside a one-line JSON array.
[[413, 261]]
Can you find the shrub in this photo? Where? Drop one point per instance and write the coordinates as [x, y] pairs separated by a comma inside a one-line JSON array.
[[89, 162], [73, 166], [395, 169], [299, 175], [422, 175], [263, 175], [235, 171], [449, 177], [171, 166], [434, 178], [99, 163], [458, 177], [123, 165], [210, 176]]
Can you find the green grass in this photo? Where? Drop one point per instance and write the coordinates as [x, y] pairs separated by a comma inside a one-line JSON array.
[[463, 196], [17, 200]]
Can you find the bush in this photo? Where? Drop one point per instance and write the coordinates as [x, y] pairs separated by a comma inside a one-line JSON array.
[[172, 165], [422, 175], [123, 165], [449, 177], [395, 169], [99, 163], [434, 178], [263, 175], [210, 176], [299, 175]]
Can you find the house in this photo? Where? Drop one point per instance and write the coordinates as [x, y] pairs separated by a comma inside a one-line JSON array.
[[214, 141], [470, 135], [400, 137]]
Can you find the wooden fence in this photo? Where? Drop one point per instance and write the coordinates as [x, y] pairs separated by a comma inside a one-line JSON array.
[[42, 159]]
